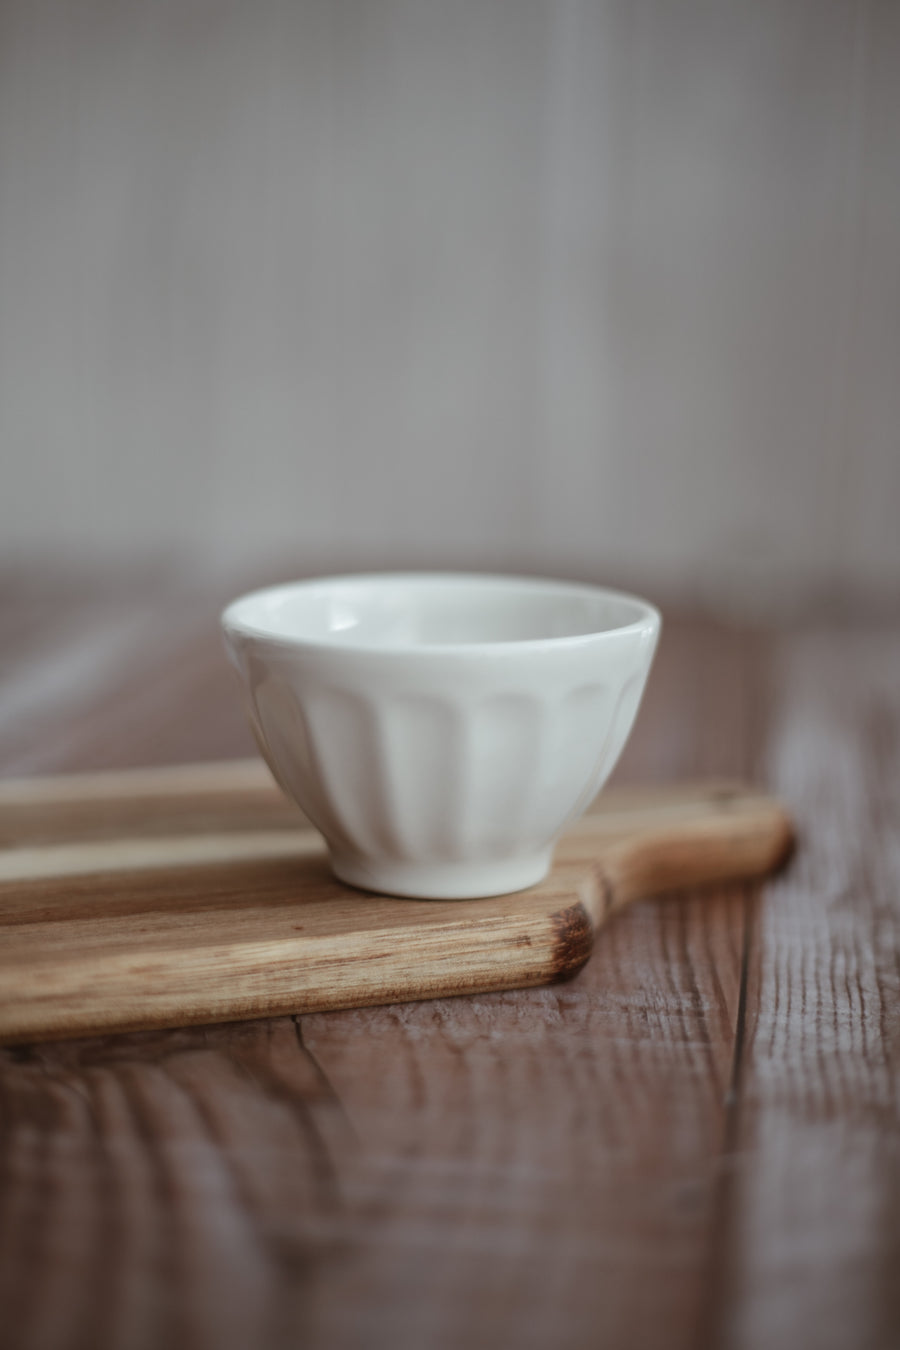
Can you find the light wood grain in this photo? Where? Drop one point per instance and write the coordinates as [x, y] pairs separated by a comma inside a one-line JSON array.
[[117, 933]]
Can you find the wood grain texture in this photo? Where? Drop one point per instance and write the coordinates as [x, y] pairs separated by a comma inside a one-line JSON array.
[[693, 1143], [175, 1189], [814, 1232], [241, 917]]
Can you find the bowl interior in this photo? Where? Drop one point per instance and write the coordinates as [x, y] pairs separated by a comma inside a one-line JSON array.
[[425, 610]]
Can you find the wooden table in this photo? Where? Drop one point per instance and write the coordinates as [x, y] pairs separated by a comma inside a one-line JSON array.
[[694, 1143]]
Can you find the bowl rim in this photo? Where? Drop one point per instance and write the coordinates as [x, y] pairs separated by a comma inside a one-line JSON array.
[[648, 620]]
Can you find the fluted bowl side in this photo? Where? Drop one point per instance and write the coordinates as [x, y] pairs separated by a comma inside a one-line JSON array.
[[441, 768]]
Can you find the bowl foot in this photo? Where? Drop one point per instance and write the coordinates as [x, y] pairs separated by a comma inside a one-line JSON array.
[[443, 880]]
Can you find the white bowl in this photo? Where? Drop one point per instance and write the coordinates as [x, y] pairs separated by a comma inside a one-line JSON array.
[[441, 729]]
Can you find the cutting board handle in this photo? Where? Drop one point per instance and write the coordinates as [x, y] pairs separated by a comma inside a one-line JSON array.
[[712, 833]]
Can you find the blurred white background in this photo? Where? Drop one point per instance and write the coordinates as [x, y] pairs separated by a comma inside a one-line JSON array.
[[605, 288]]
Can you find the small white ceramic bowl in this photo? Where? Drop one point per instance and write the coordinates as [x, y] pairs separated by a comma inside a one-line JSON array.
[[441, 729]]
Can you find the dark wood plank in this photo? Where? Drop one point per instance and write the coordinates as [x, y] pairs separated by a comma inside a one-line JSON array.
[[166, 1190], [541, 1168], [812, 1237]]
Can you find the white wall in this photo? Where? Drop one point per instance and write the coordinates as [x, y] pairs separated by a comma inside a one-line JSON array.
[[603, 287]]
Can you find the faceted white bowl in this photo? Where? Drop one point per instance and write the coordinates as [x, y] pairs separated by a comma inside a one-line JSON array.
[[441, 729]]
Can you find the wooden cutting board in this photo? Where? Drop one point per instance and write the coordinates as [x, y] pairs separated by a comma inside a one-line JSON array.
[[161, 897]]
